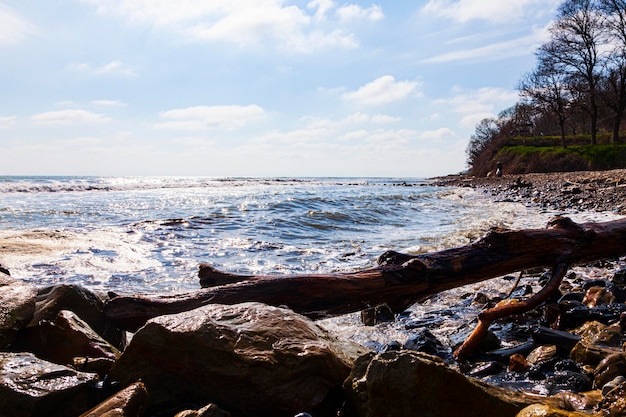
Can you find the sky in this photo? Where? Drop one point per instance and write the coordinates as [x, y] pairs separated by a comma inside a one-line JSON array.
[[255, 88]]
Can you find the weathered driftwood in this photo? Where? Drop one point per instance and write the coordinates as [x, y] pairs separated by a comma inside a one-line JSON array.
[[400, 279]]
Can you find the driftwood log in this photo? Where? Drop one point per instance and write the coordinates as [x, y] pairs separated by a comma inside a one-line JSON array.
[[400, 280]]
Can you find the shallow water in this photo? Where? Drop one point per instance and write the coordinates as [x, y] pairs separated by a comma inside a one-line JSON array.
[[148, 234]]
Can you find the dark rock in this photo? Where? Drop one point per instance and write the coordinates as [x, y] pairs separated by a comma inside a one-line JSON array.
[[614, 402], [4, 270], [564, 341], [250, 359], [63, 339], [84, 303], [400, 384], [129, 402], [483, 369], [17, 306], [32, 387], [375, 315], [425, 341], [609, 368]]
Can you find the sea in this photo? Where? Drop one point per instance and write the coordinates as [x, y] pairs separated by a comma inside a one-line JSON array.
[[147, 235]]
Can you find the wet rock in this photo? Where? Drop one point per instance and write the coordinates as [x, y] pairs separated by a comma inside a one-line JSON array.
[[84, 303], [425, 341], [17, 306], [541, 353], [400, 384], [568, 381], [596, 296], [129, 402], [576, 401], [609, 368], [543, 410], [32, 387], [250, 359], [518, 363], [594, 332], [4, 270], [63, 339], [100, 366], [564, 341], [614, 402], [375, 315], [589, 354], [210, 410], [483, 369], [612, 384]]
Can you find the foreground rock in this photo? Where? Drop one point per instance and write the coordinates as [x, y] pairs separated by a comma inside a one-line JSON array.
[[250, 359], [400, 384], [17, 306], [130, 402], [32, 387]]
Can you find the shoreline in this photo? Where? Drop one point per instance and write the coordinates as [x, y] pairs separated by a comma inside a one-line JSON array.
[[581, 190]]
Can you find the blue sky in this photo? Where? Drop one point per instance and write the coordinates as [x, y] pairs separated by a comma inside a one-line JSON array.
[[257, 87]]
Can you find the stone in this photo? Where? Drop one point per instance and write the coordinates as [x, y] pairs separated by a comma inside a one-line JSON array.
[[210, 410], [541, 353], [543, 410], [63, 339], [33, 387], [407, 383], [614, 402], [250, 359], [129, 402], [84, 303], [17, 306], [609, 368]]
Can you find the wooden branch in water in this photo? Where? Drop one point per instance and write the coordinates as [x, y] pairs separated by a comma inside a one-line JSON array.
[[398, 281]]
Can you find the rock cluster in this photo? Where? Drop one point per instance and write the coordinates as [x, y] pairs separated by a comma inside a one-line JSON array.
[[578, 191], [60, 357]]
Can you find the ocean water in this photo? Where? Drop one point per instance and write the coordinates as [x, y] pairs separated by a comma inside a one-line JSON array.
[[149, 234]]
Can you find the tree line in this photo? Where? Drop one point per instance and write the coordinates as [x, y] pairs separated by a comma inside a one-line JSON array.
[[577, 88]]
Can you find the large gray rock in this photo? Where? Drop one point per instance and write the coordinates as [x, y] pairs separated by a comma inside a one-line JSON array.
[[32, 387], [407, 383], [17, 306], [249, 359]]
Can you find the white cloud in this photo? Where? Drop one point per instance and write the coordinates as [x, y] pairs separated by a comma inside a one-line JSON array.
[[13, 29], [495, 11], [478, 104], [438, 134], [69, 117], [352, 12], [245, 22], [205, 117], [7, 121], [500, 50], [383, 90], [109, 103], [112, 68]]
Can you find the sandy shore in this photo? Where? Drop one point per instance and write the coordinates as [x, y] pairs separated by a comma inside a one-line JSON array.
[[581, 191]]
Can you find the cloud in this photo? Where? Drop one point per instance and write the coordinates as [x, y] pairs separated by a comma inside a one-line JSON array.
[[383, 90], [109, 103], [495, 51], [438, 134], [13, 29], [494, 11], [112, 68], [478, 104], [246, 22], [205, 117], [68, 117], [7, 121]]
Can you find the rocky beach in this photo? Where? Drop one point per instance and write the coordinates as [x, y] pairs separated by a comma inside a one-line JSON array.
[[60, 355]]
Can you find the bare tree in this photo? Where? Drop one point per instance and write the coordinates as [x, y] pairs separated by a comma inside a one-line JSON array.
[[547, 91], [575, 50], [614, 82]]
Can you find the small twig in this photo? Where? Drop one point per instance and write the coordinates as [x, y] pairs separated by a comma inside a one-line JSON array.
[[519, 278], [486, 317]]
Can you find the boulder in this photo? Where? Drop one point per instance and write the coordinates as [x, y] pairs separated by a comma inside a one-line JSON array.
[[84, 303], [62, 340], [406, 383], [33, 387], [17, 306], [250, 359], [129, 402]]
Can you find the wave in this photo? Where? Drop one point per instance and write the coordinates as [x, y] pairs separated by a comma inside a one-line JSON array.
[[57, 184]]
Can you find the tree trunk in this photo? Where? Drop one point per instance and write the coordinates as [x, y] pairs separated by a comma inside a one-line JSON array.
[[399, 281]]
